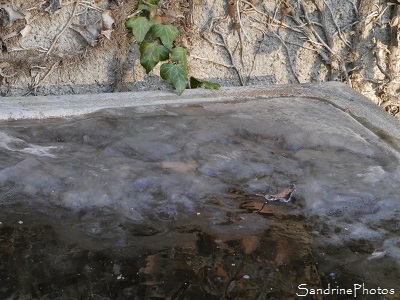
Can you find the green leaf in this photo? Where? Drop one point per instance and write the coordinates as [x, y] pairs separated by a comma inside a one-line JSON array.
[[139, 26], [166, 33], [148, 5], [144, 7], [211, 85], [151, 54], [175, 75], [179, 55], [195, 83]]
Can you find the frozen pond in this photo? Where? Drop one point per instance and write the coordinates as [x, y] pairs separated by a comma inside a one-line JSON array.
[[166, 201]]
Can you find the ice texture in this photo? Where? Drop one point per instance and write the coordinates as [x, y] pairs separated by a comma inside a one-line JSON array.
[[156, 166]]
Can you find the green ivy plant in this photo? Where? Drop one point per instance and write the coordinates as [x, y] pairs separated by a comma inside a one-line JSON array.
[[156, 43]]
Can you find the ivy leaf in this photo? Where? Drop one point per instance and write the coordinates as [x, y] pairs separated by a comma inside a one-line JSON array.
[[144, 7], [179, 55], [175, 75], [166, 33], [149, 5], [195, 83], [151, 54], [139, 26], [211, 85]]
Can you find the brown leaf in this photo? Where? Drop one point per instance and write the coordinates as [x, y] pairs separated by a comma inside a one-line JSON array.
[[250, 243], [152, 267], [232, 9], [162, 20], [283, 250], [222, 273]]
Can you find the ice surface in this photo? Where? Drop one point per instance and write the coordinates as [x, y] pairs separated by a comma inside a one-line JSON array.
[[154, 167]]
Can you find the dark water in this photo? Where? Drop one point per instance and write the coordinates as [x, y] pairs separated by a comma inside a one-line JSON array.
[[164, 203]]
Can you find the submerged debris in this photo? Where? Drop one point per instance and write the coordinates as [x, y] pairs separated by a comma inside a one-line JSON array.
[[284, 196]]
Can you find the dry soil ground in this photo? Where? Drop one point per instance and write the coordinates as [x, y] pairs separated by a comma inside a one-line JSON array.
[[68, 47]]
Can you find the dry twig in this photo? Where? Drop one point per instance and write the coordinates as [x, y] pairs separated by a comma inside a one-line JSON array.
[[288, 56], [225, 45], [45, 76], [64, 28]]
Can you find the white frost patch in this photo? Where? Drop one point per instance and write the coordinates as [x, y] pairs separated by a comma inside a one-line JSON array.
[[373, 175], [18, 145]]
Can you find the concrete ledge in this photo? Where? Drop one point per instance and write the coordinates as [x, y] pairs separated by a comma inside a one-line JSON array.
[[39, 107], [337, 94]]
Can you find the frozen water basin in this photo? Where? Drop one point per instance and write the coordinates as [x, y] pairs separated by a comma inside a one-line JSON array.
[[121, 196]]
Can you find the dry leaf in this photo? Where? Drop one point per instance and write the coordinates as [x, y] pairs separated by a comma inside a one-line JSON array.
[[51, 6], [107, 33], [283, 250], [12, 12], [89, 32], [107, 20], [162, 20], [232, 9], [222, 273], [27, 29], [394, 22], [152, 267], [250, 243], [166, 17]]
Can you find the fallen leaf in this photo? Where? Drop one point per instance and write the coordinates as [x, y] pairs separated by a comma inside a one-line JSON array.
[[283, 250], [152, 267], [27, 29], [222, 273], [107, 33], [250, 243], [12, 12], [162, 20], [51, 6], [107, 20], [394, 22], [232, 9], [89, 32]]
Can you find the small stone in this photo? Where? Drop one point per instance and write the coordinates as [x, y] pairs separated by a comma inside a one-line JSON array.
[[20, 222], [246, 276]]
